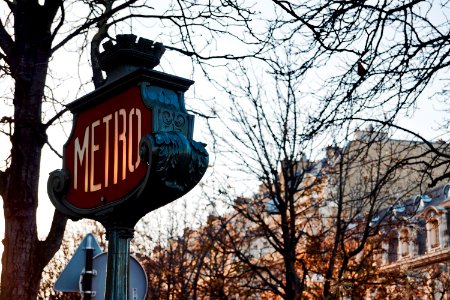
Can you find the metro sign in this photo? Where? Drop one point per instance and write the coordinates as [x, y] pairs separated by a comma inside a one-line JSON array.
[[130, 150], [102, 154]]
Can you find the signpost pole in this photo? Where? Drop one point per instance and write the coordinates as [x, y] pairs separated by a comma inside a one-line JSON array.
[[88, 272], [117, 274]]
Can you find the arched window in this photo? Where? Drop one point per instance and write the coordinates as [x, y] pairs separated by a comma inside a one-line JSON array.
[[434, 234], [404, 242], [433, 230]]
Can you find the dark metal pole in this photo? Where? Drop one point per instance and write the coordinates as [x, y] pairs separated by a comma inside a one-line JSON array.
[[117, 274], [86, 283]]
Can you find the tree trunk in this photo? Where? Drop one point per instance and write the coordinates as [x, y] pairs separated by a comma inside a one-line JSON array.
[[293, 291], [20, 280], [24, 256]]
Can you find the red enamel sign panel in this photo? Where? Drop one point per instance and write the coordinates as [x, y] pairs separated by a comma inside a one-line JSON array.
[[102, 154]]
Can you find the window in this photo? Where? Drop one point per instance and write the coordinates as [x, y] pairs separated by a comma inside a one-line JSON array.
[[404, 242], [393, 248], [433, 232]]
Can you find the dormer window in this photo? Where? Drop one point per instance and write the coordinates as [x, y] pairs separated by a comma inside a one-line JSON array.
[[446, 191]]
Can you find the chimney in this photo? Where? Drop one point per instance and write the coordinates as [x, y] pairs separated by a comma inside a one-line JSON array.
[[369, 134], [358, 134]]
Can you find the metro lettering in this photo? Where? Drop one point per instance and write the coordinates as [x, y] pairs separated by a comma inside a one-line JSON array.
[[118, 132], [80, 153]]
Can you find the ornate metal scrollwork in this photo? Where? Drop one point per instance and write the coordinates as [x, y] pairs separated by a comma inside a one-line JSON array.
[[57, 186], [198, 163], [172, 121], [177, 164], [58, 182]]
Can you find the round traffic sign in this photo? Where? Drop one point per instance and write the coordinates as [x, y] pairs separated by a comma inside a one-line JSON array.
[[138, 278]]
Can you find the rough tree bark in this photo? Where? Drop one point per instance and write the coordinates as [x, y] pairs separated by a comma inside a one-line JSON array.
[[28, 56]]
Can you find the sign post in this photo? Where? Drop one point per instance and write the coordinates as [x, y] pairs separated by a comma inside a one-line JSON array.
[[117, 279], [130, 151], [88, 270]]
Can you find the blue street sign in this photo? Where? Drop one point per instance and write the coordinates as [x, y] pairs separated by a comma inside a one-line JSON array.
[[69, 279], [138, 283]]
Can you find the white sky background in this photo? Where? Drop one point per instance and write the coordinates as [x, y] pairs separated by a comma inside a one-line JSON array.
[[425, 119]]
